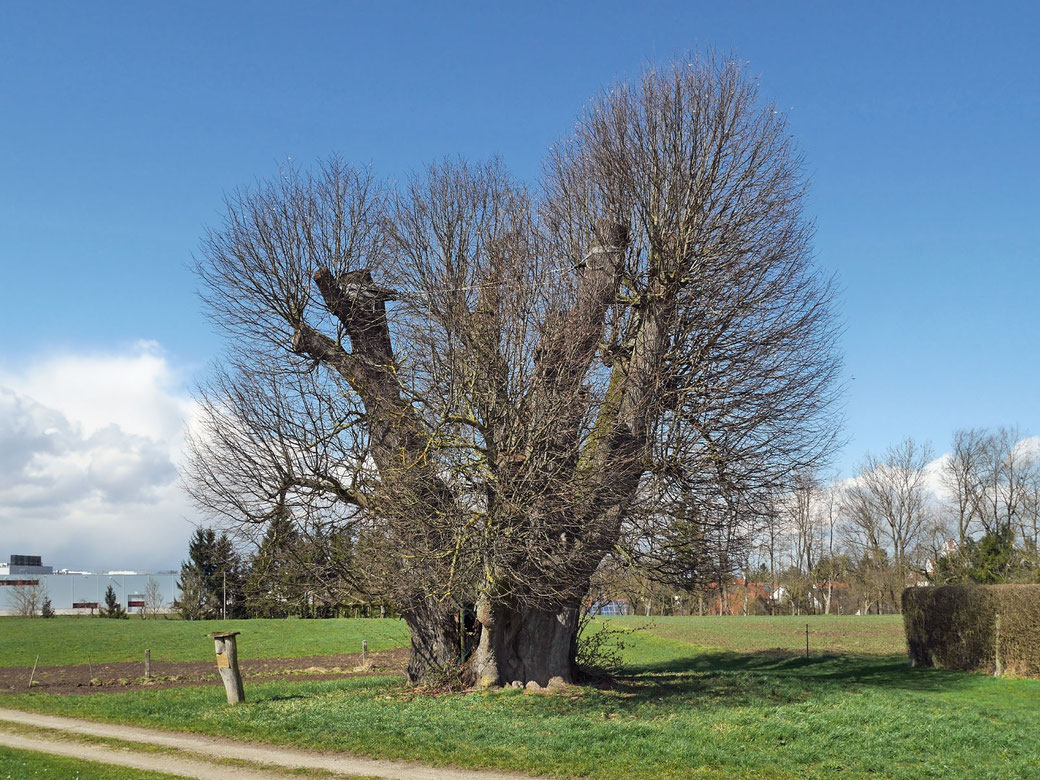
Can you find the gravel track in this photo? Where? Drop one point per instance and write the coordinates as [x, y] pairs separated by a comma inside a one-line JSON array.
[[200, 753]]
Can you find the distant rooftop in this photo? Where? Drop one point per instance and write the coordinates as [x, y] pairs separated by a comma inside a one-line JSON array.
[[27, 560], [25, 564]]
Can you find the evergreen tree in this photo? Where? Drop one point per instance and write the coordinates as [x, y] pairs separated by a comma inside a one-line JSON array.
[[325, 558], [47, 610], [293, 574], [196, 602], [995, 557], [990, 560], [192, 603], [212, 573], [228, 581], [273, 586], [112, 608]]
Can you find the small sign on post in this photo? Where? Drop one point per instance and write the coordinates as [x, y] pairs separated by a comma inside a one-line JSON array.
[[227, 664]]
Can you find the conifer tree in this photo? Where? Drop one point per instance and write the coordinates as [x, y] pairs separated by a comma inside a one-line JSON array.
[[211, 579], [112, 608], [273, 586]]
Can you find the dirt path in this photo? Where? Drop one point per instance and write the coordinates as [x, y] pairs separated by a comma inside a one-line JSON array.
[[201, 753], [145, 762]]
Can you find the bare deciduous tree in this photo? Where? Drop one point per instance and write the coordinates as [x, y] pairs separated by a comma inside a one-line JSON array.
[[154, 603], [962, 478], [489, 388], [26, 600], [887, 509], [992, 480], [1003, 474]]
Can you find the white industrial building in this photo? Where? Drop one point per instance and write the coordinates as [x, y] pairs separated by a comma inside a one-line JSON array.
[[82, 593]]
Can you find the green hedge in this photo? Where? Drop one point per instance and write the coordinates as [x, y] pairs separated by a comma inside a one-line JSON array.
[[990, 628]]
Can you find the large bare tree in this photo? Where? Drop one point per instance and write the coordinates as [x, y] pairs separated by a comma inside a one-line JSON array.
[[888, 512], [485, 385]]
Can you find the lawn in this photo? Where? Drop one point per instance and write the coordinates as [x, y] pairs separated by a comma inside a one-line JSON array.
[[847, 634], [29, 765], [78, 640], [679, 710]]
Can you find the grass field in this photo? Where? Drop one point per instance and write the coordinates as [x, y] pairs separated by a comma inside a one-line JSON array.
[[29, 765], [679, 710], [79, 640], [847, 634]]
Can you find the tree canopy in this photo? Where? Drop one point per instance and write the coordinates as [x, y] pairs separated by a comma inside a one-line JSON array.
[[491, 385]]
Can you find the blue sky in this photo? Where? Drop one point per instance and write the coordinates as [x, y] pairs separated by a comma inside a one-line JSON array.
[[124, 123]]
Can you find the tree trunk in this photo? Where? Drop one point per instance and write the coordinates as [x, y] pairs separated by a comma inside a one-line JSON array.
[[523, 644], [435, 640]]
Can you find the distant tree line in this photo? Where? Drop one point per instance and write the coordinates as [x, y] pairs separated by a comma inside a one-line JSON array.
[[287, 574], [852, 546], [822, 546]]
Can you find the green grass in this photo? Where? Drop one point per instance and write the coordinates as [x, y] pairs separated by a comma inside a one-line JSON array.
[[30, 765], [78, 640], [850, 634], [91, 768], [679, 711]]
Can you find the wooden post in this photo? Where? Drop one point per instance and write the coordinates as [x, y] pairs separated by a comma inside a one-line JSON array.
[[998, 667], [147, 664], [227, 664], [34, 670], [364, 651], [806, 640]]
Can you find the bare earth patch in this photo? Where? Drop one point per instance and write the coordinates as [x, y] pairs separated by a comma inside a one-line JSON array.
[[110, 678]]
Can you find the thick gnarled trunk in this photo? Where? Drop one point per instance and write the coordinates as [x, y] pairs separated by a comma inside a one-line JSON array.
[[523, 644], [435, 642]]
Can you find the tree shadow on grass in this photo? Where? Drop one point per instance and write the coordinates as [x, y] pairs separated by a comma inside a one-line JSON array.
[[284, 697], [739, 679]]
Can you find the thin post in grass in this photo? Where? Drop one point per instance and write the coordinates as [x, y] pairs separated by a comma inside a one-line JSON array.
[[34, 670], [998, 667], [147, 664], [364, 652], [227, 664], [806, 640]]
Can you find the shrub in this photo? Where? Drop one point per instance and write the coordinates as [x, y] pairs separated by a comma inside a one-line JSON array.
[[600, 647], [990, 628]]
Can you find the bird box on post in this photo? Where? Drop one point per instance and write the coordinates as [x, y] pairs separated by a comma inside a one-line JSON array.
[[227, 664]]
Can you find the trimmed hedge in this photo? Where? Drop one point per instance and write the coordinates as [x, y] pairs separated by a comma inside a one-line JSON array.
[[989, 628]]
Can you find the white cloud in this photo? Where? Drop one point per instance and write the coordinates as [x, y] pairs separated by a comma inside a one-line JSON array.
[[89, 448], [1029, 447], [136, 390]]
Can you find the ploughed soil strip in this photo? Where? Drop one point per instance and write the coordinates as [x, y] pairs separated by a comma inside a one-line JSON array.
[[110, 678], [203, 750]]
